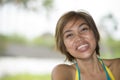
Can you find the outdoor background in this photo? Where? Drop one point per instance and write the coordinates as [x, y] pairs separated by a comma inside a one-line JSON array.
[[27, 27]]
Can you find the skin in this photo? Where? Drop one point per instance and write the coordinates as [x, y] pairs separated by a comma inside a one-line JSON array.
[[80, 43]]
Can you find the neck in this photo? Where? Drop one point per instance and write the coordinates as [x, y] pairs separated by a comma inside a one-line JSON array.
[[90, 65]]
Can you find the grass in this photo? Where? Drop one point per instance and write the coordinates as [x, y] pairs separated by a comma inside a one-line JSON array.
[[26, 77]]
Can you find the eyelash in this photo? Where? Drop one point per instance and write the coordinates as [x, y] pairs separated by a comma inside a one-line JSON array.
[[84, 29], [68, 35]]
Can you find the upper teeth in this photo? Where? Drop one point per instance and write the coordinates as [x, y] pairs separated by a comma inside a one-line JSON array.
[[82, 46]]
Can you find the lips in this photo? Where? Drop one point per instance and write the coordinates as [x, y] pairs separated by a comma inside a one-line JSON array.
[[82, 47]]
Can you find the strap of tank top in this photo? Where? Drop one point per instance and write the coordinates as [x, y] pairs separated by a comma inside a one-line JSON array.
[[109, 74], [103, 65], [76, 75], [78, 72]]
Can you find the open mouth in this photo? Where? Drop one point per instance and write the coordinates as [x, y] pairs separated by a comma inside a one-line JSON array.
[[82, 47]]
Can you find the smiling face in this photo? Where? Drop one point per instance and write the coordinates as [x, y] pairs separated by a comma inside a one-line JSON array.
[[79, 39]]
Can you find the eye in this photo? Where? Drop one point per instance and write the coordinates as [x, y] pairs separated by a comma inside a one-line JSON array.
[[85, 29], [69, 35]]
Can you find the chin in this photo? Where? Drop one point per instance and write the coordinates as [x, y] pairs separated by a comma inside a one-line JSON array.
[[86, 56]]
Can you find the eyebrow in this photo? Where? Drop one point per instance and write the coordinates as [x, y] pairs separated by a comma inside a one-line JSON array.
[[71, 30]]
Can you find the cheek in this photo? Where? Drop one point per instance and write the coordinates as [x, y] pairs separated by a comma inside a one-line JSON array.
[[92, 39], [68, 44]]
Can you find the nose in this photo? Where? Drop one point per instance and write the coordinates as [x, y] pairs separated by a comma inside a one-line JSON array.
[[78, 38]]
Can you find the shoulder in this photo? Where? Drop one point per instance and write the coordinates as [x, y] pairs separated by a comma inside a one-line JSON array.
[[114, 66], [112, 62], [62, 72]]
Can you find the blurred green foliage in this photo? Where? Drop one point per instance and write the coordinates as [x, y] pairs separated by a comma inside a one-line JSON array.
[[46, 40], [113, 47], [46, 4], [15, 38], [3, 42], [26, 77]]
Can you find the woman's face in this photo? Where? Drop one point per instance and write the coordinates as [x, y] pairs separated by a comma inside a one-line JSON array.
[[79, 39]]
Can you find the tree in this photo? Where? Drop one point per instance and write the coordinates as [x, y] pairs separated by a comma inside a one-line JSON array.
[[27, 4], [109, 25]]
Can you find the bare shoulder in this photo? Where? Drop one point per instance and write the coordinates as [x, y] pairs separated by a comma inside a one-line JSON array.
[[112, 62], [114, 66], [62, 72]]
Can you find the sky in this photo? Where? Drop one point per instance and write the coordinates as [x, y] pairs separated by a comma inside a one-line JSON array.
[[32, 24]]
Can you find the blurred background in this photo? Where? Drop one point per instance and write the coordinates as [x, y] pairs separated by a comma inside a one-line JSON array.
[[27, 27]]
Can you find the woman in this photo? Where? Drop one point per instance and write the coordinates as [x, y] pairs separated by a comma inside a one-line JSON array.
[[77, 38]]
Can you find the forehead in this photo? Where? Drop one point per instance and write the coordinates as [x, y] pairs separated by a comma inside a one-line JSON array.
[[73, 22]]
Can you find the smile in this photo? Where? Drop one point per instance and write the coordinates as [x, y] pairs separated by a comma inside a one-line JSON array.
[[81, 47]]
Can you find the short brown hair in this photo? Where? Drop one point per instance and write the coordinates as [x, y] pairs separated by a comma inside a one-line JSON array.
[[67, 17]]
